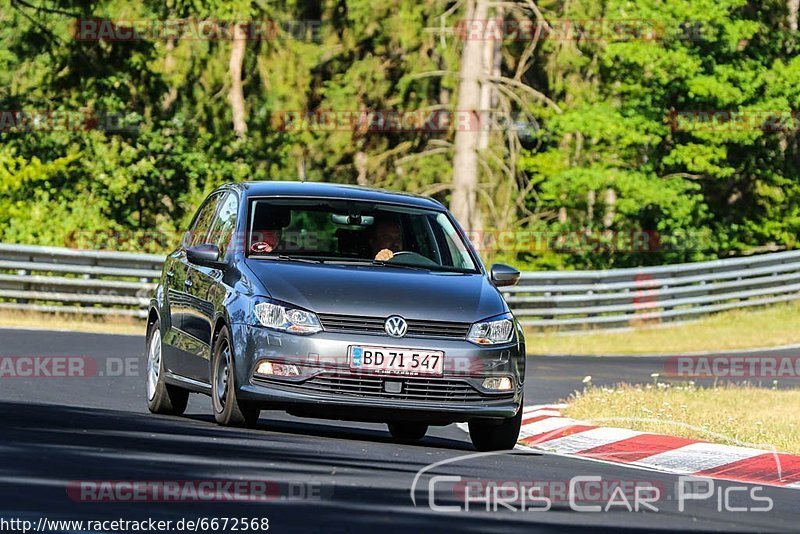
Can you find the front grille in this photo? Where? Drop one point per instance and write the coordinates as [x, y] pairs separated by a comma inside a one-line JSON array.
[[413, 388], [350, 324]]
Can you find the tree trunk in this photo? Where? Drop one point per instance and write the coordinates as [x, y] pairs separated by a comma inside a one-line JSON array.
[[492, 63], [169, 65], [361, 160], [236, 93], [611, 207], [793, 6], [464, 200], [591, 198], [301, 166]]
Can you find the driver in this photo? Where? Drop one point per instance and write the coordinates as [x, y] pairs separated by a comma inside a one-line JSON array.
[[386, 238]]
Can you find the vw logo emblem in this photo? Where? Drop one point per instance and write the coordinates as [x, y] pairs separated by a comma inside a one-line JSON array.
[[396, 326]]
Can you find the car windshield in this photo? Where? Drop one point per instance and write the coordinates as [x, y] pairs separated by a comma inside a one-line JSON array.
[[343, 231]]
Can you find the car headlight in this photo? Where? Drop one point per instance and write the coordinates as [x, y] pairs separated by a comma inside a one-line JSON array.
[[492, 332], [286, 318]]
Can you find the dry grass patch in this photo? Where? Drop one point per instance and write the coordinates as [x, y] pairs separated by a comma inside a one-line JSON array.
[[733, 415], [741, 329], [74, 322]]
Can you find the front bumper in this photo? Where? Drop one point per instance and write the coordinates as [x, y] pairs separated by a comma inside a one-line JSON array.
[[327, 388]]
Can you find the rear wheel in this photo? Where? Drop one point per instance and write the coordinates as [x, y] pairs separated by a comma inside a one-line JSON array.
[[408, 432], [489, 435], [228, 409], [161, 397]]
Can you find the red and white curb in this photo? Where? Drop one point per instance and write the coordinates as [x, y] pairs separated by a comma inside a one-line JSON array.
[[543, 428]]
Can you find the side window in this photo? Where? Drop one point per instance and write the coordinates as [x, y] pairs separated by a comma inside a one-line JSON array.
[[202, 222], [224, 223]]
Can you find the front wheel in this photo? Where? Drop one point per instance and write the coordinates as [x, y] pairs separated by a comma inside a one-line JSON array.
[[488, 435], [228, 409], [162, 398]]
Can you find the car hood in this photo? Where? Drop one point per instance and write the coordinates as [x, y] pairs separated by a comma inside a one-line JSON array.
[[380, 291]]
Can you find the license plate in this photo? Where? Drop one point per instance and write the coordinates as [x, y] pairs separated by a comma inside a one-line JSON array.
[[395, 361]]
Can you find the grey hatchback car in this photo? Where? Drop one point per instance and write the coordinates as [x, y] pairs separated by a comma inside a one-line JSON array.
[[335, 301]]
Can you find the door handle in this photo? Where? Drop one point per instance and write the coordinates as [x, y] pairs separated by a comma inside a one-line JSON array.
[[188, 283]]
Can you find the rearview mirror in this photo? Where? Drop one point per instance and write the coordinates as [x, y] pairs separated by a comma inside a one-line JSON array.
[[504, 275], [352, 220], [206, 255]]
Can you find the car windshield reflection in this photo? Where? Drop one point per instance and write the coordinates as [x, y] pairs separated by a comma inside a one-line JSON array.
[[356, 233]]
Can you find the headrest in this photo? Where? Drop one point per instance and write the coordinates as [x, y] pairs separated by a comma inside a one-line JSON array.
[[271, 217]]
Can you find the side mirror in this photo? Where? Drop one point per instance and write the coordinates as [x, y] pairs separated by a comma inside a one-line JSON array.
[[206, 255], [504, 275]]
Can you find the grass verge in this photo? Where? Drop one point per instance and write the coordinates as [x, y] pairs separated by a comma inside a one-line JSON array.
[[733, 415], [97, 324], [740, 329]]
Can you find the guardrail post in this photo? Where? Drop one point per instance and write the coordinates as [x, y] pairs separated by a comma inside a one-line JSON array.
[[641, 297], [23, 272]]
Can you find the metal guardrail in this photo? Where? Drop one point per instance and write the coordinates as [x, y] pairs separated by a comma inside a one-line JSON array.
[[618, 297], [51, 279]]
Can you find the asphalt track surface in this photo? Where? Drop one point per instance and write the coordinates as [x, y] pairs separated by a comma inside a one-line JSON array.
[[56, 431]]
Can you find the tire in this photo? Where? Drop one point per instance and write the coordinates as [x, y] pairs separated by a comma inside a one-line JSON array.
[[493, 436], [228, 409], [162, 398], [408, 432]]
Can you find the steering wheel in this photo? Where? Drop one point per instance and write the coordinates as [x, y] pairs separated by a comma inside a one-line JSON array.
[[412, 258], [403, 253]]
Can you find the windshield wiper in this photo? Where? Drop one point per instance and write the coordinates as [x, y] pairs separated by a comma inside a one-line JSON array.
[[402, 265], [287, 257], [364, 261]]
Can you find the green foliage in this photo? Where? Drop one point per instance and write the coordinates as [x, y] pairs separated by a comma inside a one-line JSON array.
[[707, 193], [611, 162]]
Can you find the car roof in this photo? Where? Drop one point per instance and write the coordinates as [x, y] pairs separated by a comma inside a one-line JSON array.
[[336, 191]]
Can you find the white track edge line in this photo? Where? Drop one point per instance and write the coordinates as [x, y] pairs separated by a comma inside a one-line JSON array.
[[521, 446]]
